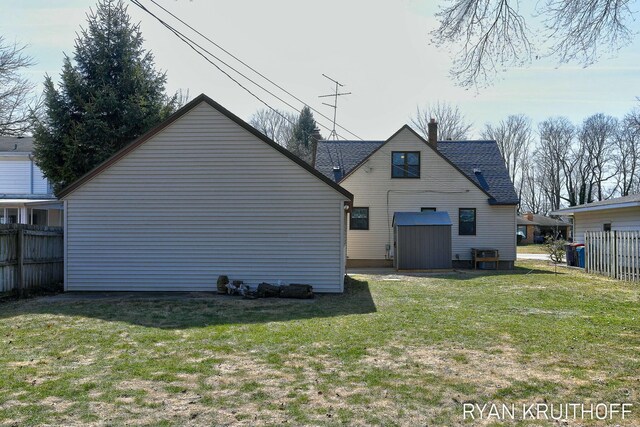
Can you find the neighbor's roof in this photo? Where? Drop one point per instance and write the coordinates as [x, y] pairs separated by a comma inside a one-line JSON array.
[[175, 116], [543, 221], [524, 221], [479, 161], [16, 144], [421, 218], [630, 201]]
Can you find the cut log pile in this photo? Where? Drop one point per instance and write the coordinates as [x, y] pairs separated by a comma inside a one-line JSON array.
[[265, 290]]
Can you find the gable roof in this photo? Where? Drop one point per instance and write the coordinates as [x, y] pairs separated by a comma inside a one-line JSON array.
[[479, 161], [16, 144], [175, 116], [630, 201]]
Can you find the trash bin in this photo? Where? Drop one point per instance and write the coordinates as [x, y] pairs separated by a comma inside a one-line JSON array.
[[580, 253], [570, 254]]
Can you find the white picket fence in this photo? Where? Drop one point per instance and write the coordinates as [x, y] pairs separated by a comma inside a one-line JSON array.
[[613, 253]]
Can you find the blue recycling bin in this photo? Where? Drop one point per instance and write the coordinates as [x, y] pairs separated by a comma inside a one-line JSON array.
[[580, 251]]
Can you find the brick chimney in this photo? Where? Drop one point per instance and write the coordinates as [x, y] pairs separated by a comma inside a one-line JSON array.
[[433, 133], [313, 140]]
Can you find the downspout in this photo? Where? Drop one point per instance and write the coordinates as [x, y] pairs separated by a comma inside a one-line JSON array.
[[31, 173]]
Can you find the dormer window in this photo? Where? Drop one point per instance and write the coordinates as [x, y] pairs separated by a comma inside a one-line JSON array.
[[405, 164]]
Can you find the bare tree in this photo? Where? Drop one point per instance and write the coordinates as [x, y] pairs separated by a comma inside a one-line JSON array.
[[452, 125], [597, 137], [513, 136], [531, 196], [276, 125], [494, 34], [552, 159], [15, 90], [627, 154]]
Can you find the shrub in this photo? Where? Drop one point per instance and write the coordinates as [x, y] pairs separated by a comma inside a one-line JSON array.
[[555, 248]]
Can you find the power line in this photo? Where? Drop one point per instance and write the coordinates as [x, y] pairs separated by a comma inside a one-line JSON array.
[[246, 65], [191, 44]]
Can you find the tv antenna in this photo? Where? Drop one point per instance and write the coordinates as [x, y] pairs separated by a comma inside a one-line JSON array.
[[335, 96]]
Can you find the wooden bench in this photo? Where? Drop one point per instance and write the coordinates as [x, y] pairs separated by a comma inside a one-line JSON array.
[[485, 255]]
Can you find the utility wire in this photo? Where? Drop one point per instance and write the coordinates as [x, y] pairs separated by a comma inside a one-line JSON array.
[[249, 67], [187, 41]]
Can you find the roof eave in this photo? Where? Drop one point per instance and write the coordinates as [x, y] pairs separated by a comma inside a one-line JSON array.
[[175, 116], [586, 208]]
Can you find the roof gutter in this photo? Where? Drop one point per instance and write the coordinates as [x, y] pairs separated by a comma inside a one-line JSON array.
[[574, 209]]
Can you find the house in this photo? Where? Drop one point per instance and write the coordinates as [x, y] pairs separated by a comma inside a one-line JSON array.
[[619, 214], [534, 228], [406, 173], [200, 195], [25, 195]]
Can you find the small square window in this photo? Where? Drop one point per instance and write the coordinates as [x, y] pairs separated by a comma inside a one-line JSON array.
[[606, 227], [405, 164], [427, 209], [359, 219], [467, 221]]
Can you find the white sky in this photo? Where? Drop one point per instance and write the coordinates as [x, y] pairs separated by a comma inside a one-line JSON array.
[[380, 50]]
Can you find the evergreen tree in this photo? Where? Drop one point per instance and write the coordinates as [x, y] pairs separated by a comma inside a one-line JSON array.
[[109, 95], [305, 135]]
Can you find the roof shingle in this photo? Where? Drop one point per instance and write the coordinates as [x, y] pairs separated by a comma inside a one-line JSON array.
[[480, 161]]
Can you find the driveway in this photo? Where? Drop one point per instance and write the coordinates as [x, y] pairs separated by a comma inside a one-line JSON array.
[[540, 257]]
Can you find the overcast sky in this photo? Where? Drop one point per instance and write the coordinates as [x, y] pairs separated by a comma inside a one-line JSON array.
[[380, 50]]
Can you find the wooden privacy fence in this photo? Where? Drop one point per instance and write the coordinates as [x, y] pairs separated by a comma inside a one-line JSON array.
[[31, 257], [613, 253]]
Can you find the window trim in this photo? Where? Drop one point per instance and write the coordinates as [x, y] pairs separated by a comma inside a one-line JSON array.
[[428, 210], [351, 218], [475, 222], [405, 170], [526, 230]]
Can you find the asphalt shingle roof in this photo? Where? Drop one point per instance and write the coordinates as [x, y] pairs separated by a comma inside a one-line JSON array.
[[480, 161], [482, 156], [19, 145], [345, 154]]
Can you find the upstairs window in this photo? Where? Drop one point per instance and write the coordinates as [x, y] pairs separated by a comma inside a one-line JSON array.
[[405, 164], [359, 219], [467, 221]]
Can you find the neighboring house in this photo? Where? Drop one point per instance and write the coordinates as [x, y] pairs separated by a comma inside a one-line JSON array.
[[406, 173], [25, 194], [619, 214], [534, 228], [201, 195]]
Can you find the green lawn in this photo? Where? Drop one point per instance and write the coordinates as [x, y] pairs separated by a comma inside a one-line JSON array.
[[531, 249], [398, 351]]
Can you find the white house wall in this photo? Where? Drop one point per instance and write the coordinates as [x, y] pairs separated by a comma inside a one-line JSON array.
[[440, 186], [203, 198], [626, 219], [16, 176]]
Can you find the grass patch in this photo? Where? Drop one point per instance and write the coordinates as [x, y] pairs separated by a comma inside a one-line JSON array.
[[392, 352], [531, 248]]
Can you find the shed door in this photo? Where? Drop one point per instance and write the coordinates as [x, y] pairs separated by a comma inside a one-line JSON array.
[[424, 247]]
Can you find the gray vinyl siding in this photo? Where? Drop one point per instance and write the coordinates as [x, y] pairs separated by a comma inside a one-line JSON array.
[[203, 197], [624, 219], [440, 186]]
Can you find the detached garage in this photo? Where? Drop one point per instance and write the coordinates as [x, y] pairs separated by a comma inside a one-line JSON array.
[[201, 195], [422, 240]]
